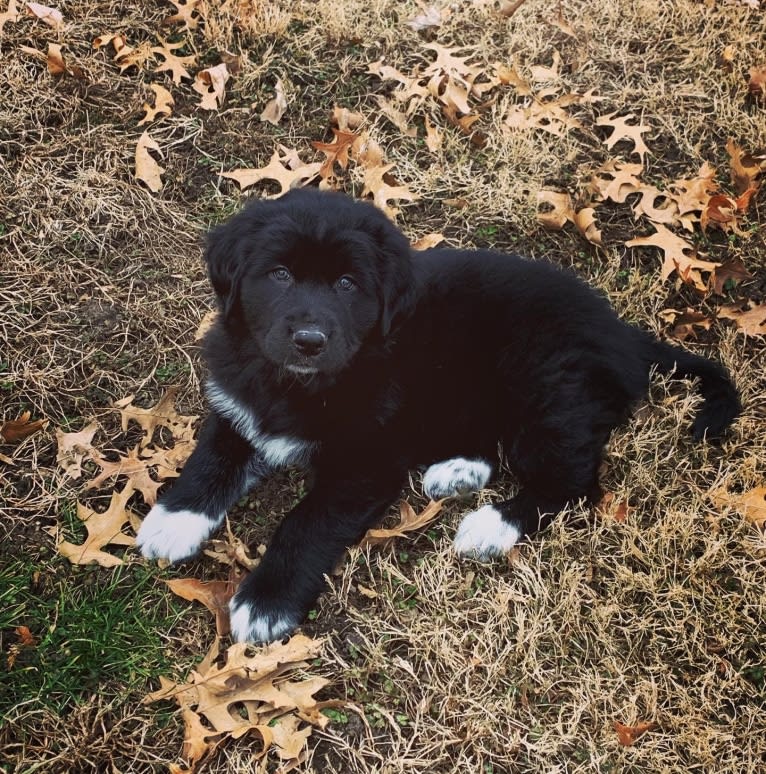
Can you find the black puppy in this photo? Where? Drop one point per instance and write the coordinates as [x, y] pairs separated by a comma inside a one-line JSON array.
[[339, 349]]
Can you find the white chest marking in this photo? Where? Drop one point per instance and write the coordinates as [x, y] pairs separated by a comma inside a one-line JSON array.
[[277, 450]]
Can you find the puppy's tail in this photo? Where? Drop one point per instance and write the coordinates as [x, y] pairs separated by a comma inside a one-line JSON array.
[[722, 405]]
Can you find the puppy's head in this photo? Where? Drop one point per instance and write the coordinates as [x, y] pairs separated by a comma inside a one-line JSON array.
[[309, 278]]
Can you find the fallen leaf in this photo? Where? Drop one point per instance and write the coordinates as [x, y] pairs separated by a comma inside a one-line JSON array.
[[214, 595], [433, 138], [345, 119], [147, 169], [11, 14], [131, 466], [336, 152], [189, 13], [172, 63], [430, 16], [409, 521], [383, 188], [275, 170], [428, 241], [627, 735], [275, 107], [757, 83], [16, 430], [250, 693], [51, 16], [73, 448], [211, 85], [751, 322], [163, 104], [675, 249], [732, 271], [562, 212], [622, 130], [543, 73], [610, 507], [684, 322], [205, 324], [750, 504], [746, 168], [25, 640], [163, 414], [509, 7], [616, 180], [103, 529]]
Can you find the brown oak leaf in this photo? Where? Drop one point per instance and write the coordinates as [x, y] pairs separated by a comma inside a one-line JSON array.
[[409, 521]]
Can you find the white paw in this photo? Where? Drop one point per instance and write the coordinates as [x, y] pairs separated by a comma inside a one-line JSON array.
[[483, 534], [248, 624], [455, 476], [173, 535]]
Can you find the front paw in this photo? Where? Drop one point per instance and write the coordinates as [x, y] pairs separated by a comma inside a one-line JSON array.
[[259, 614], [173, 535]]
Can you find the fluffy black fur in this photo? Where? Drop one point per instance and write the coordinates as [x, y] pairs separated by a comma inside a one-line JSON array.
[[372, 360]]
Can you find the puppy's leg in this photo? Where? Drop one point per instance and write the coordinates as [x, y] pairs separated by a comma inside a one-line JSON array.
[[220, 469], [554, 468], [307, 545], [456, 476]]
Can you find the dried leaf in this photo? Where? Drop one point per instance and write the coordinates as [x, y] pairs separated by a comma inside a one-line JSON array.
[[616, 180], [163, 104], [163, 414], [205, 324], [751, 322], [684, 322], [16, 430], [147, 169], [11, 14], [248, 694], [189, 13], [750, 504], [276, 107], [214, 595], [428, 241], [757, 83], [172, 63], [746, 169], [288, 177], [51, 16], [131, 466], [430, 16], [409, 521], [732, 271], [562, 212], [345, 119], [675, 249], [627, 735], [612, 508], [621, 130], [211, 85], [73, 448], [336, 152], [383, 188], [433, 136], [103, 529]]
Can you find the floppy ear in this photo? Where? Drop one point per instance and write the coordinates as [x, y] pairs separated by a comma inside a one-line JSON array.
[[225, 265], [228, 250], [398, 291]]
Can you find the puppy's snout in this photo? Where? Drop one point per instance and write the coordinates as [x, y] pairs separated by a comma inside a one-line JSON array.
[[309, 341]]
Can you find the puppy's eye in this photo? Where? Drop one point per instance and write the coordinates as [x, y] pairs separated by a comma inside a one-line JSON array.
[[281, 274], [345, 283]]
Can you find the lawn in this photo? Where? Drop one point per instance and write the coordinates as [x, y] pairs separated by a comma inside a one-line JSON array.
[[625, 140]]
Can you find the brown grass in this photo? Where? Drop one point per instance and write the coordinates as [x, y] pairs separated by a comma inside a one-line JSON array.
[[523, 665]]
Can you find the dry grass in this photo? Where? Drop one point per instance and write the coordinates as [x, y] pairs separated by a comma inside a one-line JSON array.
[[521, 666]]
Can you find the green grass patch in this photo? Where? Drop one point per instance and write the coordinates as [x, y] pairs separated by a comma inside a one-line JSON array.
[[96, 631]]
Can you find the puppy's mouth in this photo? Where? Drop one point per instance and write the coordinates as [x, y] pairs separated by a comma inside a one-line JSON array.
[[303, 370]]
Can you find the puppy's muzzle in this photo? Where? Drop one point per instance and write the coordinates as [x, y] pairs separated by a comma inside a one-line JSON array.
[[309, 341]]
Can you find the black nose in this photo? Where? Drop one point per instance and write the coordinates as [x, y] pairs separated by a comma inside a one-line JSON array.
[[309, 342]]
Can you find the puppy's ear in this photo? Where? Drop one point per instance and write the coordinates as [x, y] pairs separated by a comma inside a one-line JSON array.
[[225, 264], [397, 291]]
